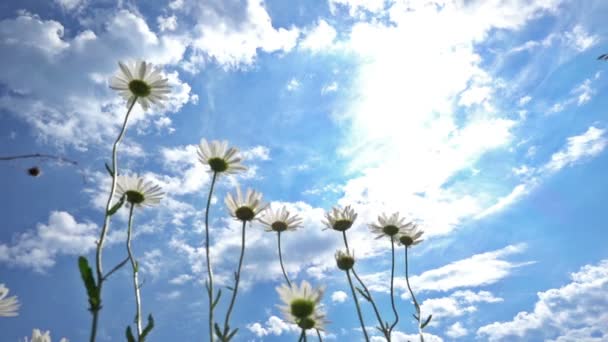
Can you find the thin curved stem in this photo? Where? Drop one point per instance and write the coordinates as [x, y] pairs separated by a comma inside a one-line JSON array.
[[319, 335], [392, 286], [209, 270], [407, 280], [302, 335], [106, 223], [40, 155], [383, 328], [281, 259], [134, 266], [116, 268], [237, 278], [352, 289]]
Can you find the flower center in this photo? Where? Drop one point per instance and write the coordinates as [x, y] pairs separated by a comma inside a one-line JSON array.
[[217, 164], [306, 323], [139, 88], [302, 308], [134, 197], [345, 262], [244, 214], [406, 240], [342, 225], [390, 230], [279, 226]]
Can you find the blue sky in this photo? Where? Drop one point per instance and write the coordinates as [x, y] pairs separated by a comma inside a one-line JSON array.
[[483, 120]]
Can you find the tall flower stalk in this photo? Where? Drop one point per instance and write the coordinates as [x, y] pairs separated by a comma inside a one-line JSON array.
[[137, 193], [139, 82], [341, 219], [220, 159], [390, 226], [409, 238], [245, 209]]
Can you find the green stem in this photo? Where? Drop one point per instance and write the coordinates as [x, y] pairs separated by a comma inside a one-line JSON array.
[[209, 270], [281, 259], [134, 266], [407, 280], [352, 289], [383, 328], [106, 223], [319, 335], [302, 335], [237, 278], [392, 286]]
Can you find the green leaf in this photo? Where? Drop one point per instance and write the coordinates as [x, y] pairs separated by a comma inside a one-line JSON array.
[[218, 332], [89, 283], [129, 334], [147, 329], [136, 267], [217, 299], [428, 320], [116, 206], [363, 294], [232, 334], [415, 317], [109, 169], [230, 288]]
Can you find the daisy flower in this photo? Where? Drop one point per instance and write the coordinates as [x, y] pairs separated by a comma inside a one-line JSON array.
[[8, 305], [137, 191], [38, 336], [141, 81], [219, 157], [411, 236], [389, 226], [245, 208], [340, 219], [280, 220], [302, 305], [345, 260]]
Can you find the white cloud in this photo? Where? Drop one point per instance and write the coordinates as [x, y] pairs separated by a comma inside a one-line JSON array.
[[357, 7], [151, 262], [231, 34], [457, 304], [586, 145], [38, 249], [293, 85], [517, 193], [480, 269], [181, 279], [339, 296], [329, 88], [274, 325], [167, 23], [70, 5], [524, 100], [319, 38], [399, 336], [577, 311], [456, 330], [580, 39], [80, 109]]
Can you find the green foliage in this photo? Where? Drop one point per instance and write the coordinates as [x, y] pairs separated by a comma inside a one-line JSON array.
[[86, 274], [428, 320], [116, 206]]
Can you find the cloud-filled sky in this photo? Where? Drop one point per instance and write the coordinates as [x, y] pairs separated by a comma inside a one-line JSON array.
[[483, 121]]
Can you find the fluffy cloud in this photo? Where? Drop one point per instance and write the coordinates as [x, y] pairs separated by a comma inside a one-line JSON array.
[[339, 296], [577, 311], [480, 269], [586, 145], [79, 109], [319, 38], [231, 34], [38, 249], [457, 304], [456, 330]]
